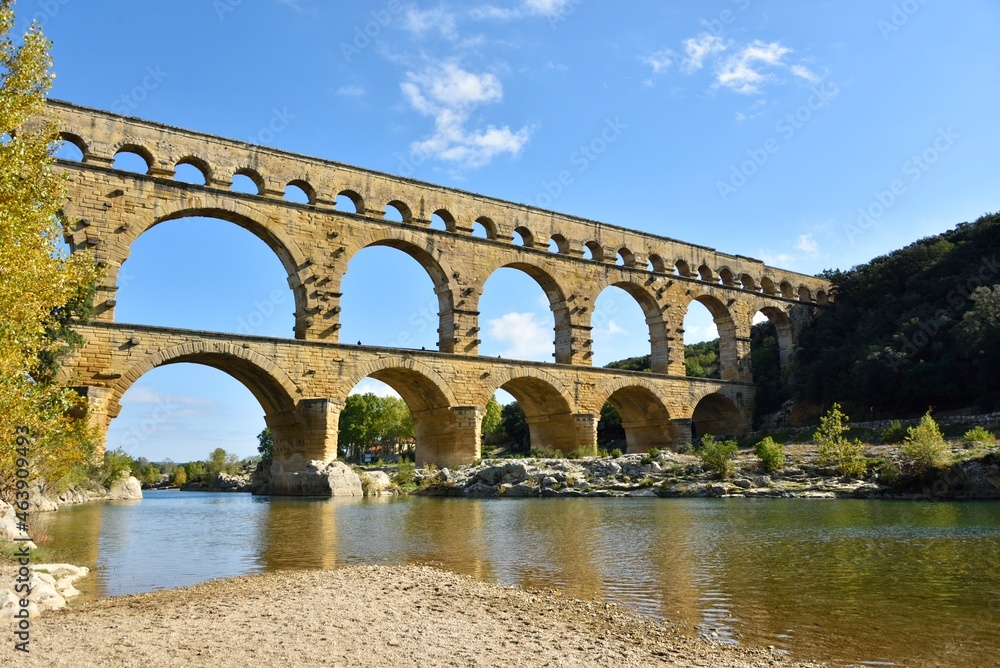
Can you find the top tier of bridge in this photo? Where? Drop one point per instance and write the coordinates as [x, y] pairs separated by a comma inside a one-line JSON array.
[[101, 135]]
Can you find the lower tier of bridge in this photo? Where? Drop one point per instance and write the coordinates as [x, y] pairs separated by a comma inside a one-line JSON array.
[[302, 387]]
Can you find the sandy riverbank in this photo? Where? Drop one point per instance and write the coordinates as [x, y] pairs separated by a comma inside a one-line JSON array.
[[363, 616]]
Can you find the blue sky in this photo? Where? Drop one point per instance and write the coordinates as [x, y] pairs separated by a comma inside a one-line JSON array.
[[767, 129]]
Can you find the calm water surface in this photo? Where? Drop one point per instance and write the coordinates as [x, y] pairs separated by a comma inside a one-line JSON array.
[[850, 582]]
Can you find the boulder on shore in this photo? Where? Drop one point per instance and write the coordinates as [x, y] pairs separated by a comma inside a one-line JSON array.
[[318, 479], [125, 488], [224, 482]]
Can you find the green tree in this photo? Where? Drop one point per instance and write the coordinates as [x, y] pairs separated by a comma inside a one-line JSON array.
[[924, 448], [220, 461], [493, 417], [610, 433], [265, 443], [835, 448], [38, 283], [718, 456], [179, 476], [515, 425], [368, 421], [771, 454]]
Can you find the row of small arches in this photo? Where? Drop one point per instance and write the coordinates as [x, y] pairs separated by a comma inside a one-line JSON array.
[[190, 169]]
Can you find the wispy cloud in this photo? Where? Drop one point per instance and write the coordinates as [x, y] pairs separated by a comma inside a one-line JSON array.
[[748, 69], [525, 337], [659, 61], [351, 91], [608, 331], [697, 49], [449, 94], [439, 20], [543, 8], [807, 244]]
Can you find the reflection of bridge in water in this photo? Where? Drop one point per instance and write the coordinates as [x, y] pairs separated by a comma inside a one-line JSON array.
[[302, 383]]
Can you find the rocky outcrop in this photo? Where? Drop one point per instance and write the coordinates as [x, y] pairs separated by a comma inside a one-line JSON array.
[[50, 586], [45, 500], [124, 489], [9, 530], [225, 482], [318, 479], [377, 483]]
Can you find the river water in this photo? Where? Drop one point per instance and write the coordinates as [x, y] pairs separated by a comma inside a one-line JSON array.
[[852, 582]]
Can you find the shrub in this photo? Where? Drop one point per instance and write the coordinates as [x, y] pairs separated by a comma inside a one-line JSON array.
[[770, 454], [615, 454], [889, 474], [542, 452], [924, 448], [654, 452], [894, 434], [684, 448], [848, 456], [117, 464], [404, 474], [979, 435], [646, 460], [179, 476], [717, 456]]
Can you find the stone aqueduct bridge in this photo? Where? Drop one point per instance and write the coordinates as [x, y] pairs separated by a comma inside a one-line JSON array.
[[302, 383]]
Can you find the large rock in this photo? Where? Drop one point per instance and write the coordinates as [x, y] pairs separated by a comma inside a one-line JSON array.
[[318, 479], [377, 483], [8, 526], [224, 482], [125, 488]]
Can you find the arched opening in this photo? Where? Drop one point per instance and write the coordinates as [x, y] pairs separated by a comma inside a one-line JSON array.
[[523, 237], [804, 294], [628, 330], [749, 283], [442, 220], [727, 277], [644, 420], [558, 244], [541, 420], [822, 298], [710, 342], [593, 251], [770, 359], [181, 411], [432, 433], [299, 192], [349, 201], [657, 264], [397, 212], [248, 182], [681, 268], [233, 278], [625, 257], [191, 170], [375, 424], [767, 286], [399, 308], [484, 228], [787, 291], [132, 158], [715, 414], [70, 147], [519, 309], [706, 274]]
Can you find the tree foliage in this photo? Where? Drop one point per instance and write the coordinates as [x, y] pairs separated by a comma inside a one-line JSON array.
[[493, 419], [40, 288], [924, 448], [265, 443], [835, 449], [220, 461], [515, 425], [368, 421]]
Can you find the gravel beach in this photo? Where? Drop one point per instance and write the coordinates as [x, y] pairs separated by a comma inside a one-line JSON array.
[[363, 616]]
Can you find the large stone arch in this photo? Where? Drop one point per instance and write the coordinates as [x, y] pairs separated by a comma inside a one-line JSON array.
[[548, 407], [718, 415], [422, 249], [659, 331], [446, 434], [554, 292], [782, 322], [645, 416], [729, 344], [295, 262]]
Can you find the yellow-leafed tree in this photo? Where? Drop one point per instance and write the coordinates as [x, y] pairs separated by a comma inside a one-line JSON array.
[[41, 288]]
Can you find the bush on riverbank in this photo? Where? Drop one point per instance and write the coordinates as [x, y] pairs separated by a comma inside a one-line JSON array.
[[718, 456], [847, 455], [770, 454], [924, 448]]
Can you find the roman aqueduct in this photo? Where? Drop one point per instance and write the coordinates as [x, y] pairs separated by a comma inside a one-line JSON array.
[[302, 383]]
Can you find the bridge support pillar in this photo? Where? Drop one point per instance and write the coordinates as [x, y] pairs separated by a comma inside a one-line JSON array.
[[97, 413], [448, 437], [643, 435], [306, 434], [586, 431], [682, 431]]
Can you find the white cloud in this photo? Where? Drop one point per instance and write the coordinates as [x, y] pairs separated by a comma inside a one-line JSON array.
[[804, 72], [376, 387], [547, 8], [147, 396], [439, 20], [606, 332], [526, 338], [351, 91], [758, 318], [746, 71], [449, 94], [660, 61], [806, 244], [697, 49]]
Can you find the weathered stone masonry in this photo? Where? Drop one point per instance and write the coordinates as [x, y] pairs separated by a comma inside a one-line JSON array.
[[302, 383]]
